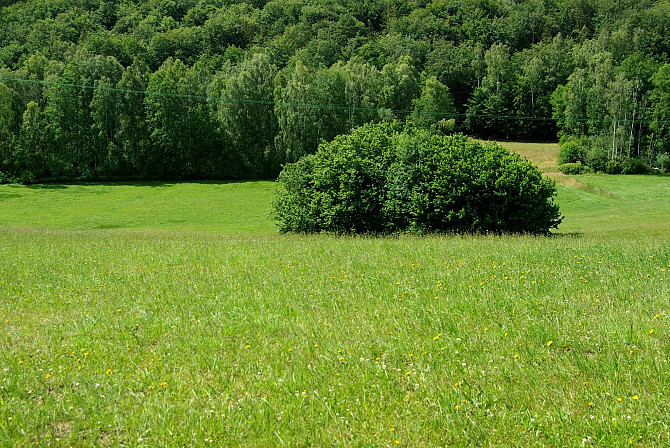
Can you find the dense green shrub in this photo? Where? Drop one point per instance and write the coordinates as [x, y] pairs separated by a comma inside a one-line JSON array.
[[571, 152], [663, 162], [634, 166], [573, 168], [596, 156], [388, 178], [612, 167]]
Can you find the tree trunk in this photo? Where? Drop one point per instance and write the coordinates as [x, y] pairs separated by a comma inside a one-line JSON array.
[[614, 141]]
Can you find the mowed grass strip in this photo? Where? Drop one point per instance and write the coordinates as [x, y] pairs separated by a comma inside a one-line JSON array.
[[230, 207], [592, 205], [633, 206], [172, 339], [601, 204]]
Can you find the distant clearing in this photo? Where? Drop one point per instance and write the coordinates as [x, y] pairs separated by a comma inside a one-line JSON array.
[[542, 155], [592, 205]]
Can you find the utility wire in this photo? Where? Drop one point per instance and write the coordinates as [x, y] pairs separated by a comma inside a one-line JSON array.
[[329, 106]]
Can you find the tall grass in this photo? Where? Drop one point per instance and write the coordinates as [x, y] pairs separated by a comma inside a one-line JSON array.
[[163, 339], [175, 315]]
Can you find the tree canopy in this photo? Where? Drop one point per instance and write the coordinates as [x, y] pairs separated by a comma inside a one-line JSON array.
[[169, 89]]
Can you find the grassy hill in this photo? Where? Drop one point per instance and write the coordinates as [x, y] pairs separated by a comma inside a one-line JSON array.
[[176, 315], [600, 204]]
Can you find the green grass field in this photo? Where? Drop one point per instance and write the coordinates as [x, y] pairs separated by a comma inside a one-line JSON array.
[[230, 207], [176, 315]]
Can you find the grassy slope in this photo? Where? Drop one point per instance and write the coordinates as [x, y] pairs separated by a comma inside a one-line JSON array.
[[231, 207], [205, 327], [599, 205], [627, 206], [543, 155]]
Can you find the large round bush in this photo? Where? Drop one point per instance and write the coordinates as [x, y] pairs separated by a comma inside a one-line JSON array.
[[386, 178]]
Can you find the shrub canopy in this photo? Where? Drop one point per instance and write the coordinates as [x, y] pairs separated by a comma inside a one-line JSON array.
[[385, 178]]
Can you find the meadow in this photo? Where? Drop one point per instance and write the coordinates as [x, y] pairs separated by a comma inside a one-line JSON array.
[[176, 315]]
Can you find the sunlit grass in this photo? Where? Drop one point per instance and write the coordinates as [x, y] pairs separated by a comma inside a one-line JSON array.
[[542, 155], [627, 206], [152, 339], [176, 315], [233, 207], [600, 204]]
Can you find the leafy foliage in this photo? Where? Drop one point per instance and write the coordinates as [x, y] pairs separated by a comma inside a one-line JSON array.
[[663, 162], [388, 178], [634, 166], [259, 83], [573, 168], [570, 152]]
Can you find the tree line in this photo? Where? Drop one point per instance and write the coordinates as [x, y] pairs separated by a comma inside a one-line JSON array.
[[185, 89]]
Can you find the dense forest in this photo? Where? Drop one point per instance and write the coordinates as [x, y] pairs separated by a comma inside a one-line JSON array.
[[186, 89]]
